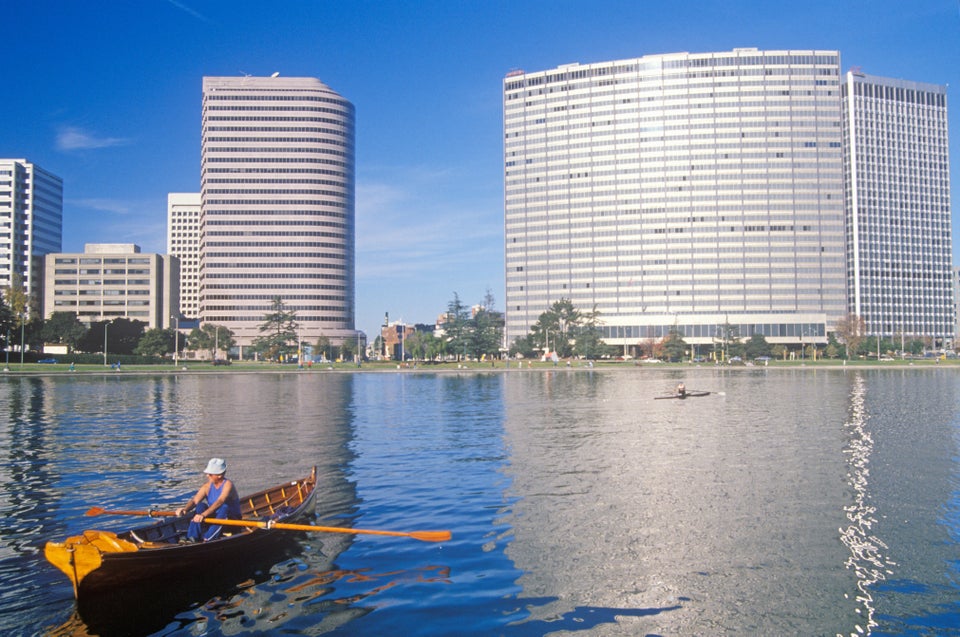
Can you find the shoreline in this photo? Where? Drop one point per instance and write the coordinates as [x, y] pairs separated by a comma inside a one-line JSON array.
[[204, 368]]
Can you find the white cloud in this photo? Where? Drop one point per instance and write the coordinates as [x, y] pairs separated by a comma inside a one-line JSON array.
[[196, 14], [114, 206], [73, 138]]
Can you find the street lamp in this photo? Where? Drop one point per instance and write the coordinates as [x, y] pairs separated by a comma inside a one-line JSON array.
[[105, 326], [22, 325], [216, 342], [176, 339]]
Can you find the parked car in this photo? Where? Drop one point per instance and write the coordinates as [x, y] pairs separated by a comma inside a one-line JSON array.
[[51, 361], [221, 361], [763, 359]]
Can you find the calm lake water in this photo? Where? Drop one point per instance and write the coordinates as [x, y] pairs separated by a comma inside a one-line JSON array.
[[790, 502]]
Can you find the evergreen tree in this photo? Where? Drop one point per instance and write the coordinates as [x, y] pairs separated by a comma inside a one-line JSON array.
[[279, 329]]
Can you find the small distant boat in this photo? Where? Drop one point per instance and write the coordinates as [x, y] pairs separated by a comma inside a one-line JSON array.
[[684, 395], [103, 562]]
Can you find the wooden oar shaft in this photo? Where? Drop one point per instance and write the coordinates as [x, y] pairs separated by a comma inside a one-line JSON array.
[[426, 536], [158, 514]]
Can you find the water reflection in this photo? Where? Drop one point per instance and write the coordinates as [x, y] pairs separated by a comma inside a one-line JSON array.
[[577, 502], [720, 508]]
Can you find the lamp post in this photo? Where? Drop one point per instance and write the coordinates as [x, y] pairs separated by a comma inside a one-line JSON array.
[[105, 326], [22, 326], [176, 339]]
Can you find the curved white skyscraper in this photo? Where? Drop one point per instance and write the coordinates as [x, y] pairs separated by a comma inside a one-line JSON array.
[[277, 205], [690, 190]]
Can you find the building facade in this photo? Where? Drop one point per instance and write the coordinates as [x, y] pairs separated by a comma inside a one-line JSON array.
[[31, 225], [897, 174], [277, 206], [183, 242], [113, 280], [702, 192]]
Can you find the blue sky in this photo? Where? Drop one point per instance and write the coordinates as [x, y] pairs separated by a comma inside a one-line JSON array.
[[107, 96]]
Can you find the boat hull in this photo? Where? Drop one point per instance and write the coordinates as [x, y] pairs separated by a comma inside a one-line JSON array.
[[151, 557]]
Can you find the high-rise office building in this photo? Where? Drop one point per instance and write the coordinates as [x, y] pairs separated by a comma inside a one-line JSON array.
[[183, 242], [277, 205], [31, 224], [897, 175], [698, 191]]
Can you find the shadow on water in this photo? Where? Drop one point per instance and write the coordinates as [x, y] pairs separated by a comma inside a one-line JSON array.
[[579, 619]]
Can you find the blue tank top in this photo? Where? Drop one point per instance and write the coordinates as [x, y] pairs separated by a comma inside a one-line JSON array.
[[232, 504]]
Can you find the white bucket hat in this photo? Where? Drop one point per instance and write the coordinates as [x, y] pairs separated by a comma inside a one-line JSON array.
[[216, 466]]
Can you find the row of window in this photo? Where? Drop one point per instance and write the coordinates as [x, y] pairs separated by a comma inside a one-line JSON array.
[[109, 292], [212, 150]]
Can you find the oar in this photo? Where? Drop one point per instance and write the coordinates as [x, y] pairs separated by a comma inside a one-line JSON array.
[[425, 536], [159, 514]]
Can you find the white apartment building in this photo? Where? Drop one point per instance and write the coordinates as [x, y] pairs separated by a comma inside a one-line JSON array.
[[31, 224], [183, 242], [277, 205], [688, 190], [113, 280], [897, 172]]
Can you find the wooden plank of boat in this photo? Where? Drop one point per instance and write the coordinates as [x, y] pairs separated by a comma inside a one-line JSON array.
[[100, 561]]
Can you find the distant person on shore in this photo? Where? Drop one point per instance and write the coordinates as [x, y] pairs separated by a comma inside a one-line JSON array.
[[217, 499]]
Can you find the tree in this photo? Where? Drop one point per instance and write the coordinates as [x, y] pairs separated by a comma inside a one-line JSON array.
[[487, 329], [211, 337], [322, 346], [123, 335], [755, 346], [851, 331], [674, 347], [156, 342], [727, 340], [278, 329], [63, 327], [6, 323], [524, 346], [456, 327], [553, 327], [588, 343]]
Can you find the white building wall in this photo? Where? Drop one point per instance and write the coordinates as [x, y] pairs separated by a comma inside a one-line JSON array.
[[31, 223], [683, 189], [899, 228], [109, 281], [277, 205], [183, 242]]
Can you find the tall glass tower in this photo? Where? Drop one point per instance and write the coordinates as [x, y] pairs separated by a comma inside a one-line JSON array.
[[277, 205], [897, 173], [702, 192], [31, 224]]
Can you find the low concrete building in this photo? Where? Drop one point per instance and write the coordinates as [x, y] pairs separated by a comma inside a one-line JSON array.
[[113, 280]]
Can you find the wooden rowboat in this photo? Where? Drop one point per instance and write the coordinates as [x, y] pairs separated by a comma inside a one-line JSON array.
[[98, 562]]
